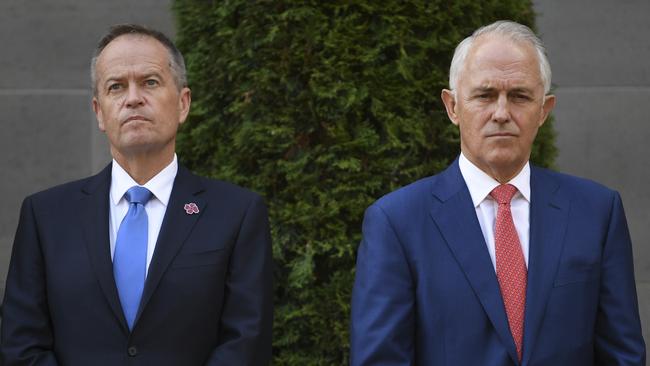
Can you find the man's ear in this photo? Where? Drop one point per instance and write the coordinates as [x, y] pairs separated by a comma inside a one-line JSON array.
[[98, 115], [184, 102], [547, 107], [449, 99]]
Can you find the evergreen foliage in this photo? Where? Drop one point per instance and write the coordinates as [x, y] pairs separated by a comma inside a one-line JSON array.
[[323, 107]]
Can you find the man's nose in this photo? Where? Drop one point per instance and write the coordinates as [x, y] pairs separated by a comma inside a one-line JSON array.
[[134, 97], [501, 110]]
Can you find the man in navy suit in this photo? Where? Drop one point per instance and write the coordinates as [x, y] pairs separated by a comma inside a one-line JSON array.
[[493, 261], [91, 283]]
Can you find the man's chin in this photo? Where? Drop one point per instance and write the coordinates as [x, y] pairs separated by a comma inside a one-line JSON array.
[[508, 166], [135, 147]]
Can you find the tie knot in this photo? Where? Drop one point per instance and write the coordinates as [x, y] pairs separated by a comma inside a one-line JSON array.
[[137, 194], [503, 193]]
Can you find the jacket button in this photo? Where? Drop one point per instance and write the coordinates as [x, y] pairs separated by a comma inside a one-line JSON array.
[[132, 351]]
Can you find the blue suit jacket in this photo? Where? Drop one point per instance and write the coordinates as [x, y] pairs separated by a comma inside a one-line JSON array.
[[208, 293], [426, 292]]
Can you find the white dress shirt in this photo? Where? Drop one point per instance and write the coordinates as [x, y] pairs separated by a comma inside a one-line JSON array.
[[161, 187], [480, 185]]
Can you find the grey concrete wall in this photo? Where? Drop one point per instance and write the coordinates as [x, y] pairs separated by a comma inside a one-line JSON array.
[[48, 132], [600, 54]]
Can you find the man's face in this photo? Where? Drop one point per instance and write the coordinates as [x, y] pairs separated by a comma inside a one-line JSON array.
[[138, 105], [499, 105]]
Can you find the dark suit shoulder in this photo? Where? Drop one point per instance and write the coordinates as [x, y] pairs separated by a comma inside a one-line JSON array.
[[62, 194], [408, 197], [577, 186], [64, 189], [584, 194]]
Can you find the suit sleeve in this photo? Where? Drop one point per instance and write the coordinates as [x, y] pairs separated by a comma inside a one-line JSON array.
[[247, 318], [382, 325], [618, 338], [26, 336]]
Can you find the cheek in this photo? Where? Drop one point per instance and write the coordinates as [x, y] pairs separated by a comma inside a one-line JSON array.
[[474, 124], [470, 136], [109, 117], [529, 124], [531, 133]]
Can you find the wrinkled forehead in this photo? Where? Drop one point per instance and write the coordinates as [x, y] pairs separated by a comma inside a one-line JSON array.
[[132, 50], [498, 59]]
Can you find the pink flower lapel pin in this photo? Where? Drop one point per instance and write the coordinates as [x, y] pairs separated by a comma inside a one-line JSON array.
[[191, 208]]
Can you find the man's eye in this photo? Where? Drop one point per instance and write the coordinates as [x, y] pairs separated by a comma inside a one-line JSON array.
[[521, 97], [151, 82], [114, 87]]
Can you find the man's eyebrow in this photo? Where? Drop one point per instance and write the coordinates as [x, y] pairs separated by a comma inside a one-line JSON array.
[[111, 78], [119, 77], [482, 89], [151, 74], [488, 89], [521, 90]]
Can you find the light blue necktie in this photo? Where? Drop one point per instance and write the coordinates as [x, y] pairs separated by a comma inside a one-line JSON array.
[[130, 257]]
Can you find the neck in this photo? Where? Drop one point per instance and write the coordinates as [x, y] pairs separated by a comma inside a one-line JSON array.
[[502, 173], [503, 178], [143, 167]]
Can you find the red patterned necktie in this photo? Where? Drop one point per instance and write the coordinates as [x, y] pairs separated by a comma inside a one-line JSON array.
[[511, 268]]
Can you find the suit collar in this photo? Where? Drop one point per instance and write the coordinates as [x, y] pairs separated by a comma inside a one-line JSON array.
[[98, 181], [549, 211], [93, 216], [176, 226], [480, 184], [160, 185], [448, 183], [454, 214], [548, 222]]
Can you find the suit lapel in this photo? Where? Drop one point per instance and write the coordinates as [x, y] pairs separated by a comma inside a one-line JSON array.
[[176, 226], [455, 216], [548, 221], [93, 215]]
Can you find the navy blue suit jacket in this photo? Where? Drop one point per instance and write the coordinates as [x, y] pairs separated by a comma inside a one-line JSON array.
[[207, 298], [426, 292]]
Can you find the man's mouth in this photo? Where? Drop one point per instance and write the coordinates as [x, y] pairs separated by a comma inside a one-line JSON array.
[[136, 117], [502, 134]]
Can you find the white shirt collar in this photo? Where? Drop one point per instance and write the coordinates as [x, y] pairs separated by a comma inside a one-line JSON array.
[[480, 184], [160, 185]]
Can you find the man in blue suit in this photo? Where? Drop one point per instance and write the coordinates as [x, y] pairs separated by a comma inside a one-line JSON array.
[[493, 261], [143, 263]]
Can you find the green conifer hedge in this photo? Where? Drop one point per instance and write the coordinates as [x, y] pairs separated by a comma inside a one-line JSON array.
[[323, 107]]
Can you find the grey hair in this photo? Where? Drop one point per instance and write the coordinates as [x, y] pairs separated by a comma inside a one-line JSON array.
[[176, 61], [507, 28]]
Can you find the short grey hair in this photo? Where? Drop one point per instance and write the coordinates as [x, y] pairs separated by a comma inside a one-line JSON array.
[[176, 61], [514, 31]]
